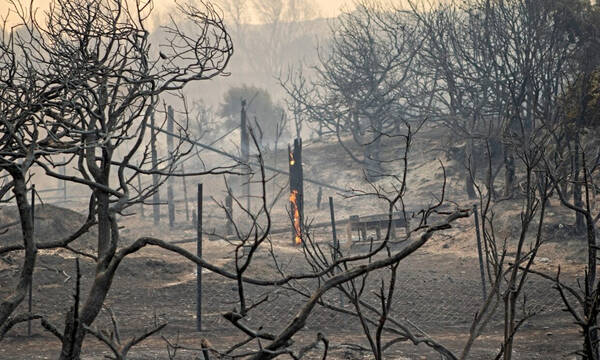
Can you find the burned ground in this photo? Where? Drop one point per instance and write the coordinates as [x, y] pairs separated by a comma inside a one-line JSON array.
[[438, 288]]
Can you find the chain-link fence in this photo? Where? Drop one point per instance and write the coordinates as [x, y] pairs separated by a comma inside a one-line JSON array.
[[432, 291]]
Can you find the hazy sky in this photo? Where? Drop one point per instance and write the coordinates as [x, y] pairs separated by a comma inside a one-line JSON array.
[[327, 8], [163, 8], [331, 8]]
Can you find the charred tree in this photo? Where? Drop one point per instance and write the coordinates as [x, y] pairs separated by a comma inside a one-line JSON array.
[[577, 193], [102, 49]]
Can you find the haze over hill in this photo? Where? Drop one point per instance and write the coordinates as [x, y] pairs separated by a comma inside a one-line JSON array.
[[252, 54], [267, 41]]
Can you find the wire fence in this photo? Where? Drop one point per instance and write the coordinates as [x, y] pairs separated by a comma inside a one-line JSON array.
[[424, 297], [432, 290]]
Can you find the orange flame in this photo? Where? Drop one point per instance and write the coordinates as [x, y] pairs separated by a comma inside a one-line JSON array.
[[294, 201]]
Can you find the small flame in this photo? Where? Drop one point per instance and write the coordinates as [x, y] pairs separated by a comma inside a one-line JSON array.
[[294, 201], [292, 161]]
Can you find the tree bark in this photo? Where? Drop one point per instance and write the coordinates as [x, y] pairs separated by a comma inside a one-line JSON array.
[[108, 236], [591, 337], [105, 270], [372, 160], [509, 172], [9, 304], [577, 194]]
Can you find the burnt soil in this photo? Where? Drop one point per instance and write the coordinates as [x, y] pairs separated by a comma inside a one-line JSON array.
[[438, 293], [438, 289]]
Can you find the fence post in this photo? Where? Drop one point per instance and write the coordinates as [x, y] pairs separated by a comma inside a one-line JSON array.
[[199, 267], [156, 195], [336, 242], [319, 197], [481, 268], [170, 197], [185, 195], [245, 148], [229, 209], [30, 295], [296, 190], [139, 181]]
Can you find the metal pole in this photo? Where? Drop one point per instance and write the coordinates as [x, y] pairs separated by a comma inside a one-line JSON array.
[[199, 267], [481, 269], [30, 295]]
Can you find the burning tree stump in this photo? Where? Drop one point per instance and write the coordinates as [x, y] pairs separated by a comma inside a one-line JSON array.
[[296, 190]]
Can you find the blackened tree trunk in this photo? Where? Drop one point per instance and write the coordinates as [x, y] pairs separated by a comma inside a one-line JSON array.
[[591, 335], [372, 159], [577, 195], [9, 304], [108, 237], [509, 171]]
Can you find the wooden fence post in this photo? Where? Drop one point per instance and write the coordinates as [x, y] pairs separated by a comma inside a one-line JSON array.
[[156, 195], [245, 148], [199, 267], [185, 195], [481, 268], [296, 190], [336, 242], [139, 181], [170, 197], [319, 197], [229, 209]]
